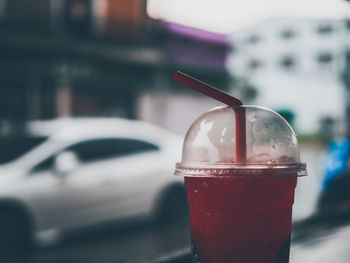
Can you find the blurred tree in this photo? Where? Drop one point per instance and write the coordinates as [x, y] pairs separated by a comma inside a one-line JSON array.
[[327, 127], [288, 115], [242, 88]]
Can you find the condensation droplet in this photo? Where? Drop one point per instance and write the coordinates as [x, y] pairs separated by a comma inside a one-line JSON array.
[[271, 162], [252, 117], [205, 185], [196, 191], [273, 147], [208, 214]]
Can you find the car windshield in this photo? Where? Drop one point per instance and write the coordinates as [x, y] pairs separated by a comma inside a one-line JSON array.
[[39, 153], [15, 147]]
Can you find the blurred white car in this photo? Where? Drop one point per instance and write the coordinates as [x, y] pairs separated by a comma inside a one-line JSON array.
[[88, 171]]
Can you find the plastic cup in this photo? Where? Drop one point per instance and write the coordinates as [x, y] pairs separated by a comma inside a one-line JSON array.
[[240, 208]]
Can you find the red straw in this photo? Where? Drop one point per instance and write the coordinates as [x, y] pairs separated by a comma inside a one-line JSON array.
[[206, 89], [225, 98], [241, 148]]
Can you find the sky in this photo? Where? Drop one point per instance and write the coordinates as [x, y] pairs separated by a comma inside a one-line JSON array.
[[226, 16]]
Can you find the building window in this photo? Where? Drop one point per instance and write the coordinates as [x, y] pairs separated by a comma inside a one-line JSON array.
[[254, 64], [288, 62], [253, 39], [2, 9], [324, 29], [324, 58], [347, 24], [287, 33], [78, 16]]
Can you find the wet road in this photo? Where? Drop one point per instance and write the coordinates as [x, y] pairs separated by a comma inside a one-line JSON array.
[[145, 242], [136, 243], [308, 188], [330, 244]]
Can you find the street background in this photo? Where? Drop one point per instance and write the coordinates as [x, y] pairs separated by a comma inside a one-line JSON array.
[[87, 72]]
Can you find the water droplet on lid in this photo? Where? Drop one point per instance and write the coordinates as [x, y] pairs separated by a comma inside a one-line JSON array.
[[196, 191], [273, 147], [252, 117], [208, 214], [271, 162]]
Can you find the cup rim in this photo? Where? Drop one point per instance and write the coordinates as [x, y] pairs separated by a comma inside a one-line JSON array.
[[240, 170]]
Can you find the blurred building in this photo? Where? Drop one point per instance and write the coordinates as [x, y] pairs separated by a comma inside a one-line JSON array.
[[95, 57], [295, 64], [199, 53]]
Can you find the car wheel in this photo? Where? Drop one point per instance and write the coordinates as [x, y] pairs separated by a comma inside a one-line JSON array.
[[173, 205], [14, 235]]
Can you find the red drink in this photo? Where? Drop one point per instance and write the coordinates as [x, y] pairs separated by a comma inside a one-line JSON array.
[[240, 165], [245, 220]]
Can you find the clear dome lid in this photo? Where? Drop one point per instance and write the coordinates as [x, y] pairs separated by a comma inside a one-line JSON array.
[[213, 145]]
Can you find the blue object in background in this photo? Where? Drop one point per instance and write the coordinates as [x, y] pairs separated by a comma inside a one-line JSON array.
[[336, 162]]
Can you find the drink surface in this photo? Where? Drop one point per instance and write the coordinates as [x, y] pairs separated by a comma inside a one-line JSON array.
[[245, 220]]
